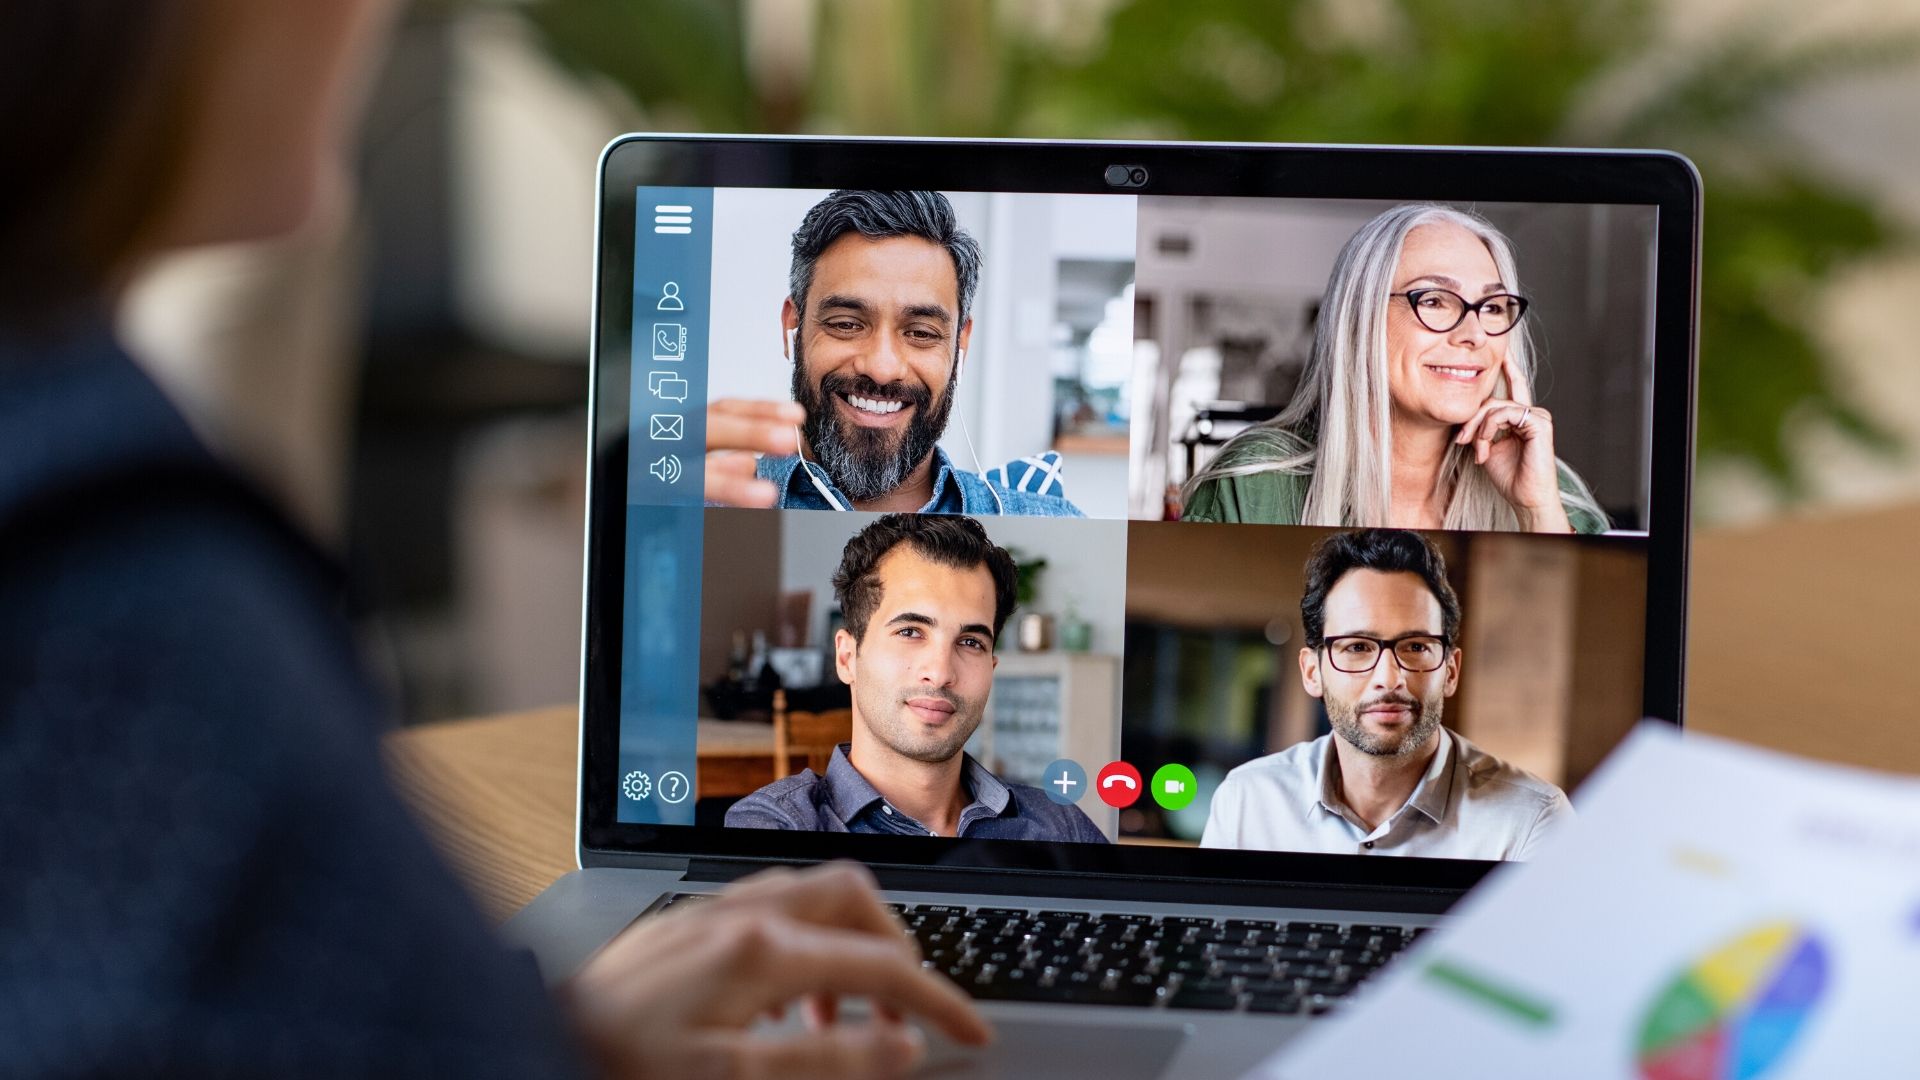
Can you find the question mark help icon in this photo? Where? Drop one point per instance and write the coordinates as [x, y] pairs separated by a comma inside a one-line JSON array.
[[674, 787]]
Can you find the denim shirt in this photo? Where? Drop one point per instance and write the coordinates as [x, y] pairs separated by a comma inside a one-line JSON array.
[[844, 801], [1028, 486]]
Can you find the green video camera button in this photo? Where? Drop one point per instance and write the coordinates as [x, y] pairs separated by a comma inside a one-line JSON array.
[[1173, 787]]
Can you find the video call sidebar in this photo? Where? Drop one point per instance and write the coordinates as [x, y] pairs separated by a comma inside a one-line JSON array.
[[667, 438]]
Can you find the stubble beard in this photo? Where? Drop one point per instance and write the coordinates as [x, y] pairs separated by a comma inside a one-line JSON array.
[[1345, 718], [885, 716], [866, 463]]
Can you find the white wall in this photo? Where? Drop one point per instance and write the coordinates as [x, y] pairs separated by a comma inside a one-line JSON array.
[[527, 138], [752, 237]]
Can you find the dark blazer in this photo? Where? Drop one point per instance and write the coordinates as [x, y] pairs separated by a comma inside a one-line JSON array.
[[203, 871]]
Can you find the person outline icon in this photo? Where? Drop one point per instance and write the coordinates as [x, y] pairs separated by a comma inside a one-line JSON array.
[[670, 298]]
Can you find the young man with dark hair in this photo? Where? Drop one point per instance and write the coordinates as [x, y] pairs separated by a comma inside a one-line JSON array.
[[925, 598], [877, 319], [1382, 651]]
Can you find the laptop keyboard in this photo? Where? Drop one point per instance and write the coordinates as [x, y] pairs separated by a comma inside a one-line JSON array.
[[1173, 962]]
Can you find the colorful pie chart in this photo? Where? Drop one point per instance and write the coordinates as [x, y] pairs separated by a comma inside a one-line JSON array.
[[1736, 1011]]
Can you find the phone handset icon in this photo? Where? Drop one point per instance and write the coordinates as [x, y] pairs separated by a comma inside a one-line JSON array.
[[1118, 785]]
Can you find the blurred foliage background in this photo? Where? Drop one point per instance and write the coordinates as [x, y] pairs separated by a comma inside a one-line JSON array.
[[1481, 72]]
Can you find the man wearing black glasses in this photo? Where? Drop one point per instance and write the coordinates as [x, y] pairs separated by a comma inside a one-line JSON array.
[[1382, 626]]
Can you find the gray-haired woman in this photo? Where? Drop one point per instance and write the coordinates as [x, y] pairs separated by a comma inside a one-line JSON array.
[[1416, 407]]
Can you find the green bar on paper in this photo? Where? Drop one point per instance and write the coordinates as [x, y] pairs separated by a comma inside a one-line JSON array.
[[1511, 1002]]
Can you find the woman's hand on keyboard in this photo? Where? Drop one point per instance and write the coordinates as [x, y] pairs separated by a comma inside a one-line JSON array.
[[677, 994]]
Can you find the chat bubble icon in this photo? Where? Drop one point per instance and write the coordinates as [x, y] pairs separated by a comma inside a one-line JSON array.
[[667, 386]]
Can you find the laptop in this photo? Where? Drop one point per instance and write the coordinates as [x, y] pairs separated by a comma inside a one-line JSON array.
[[1083, 430]]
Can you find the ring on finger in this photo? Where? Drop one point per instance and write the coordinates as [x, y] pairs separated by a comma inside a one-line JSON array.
[[1524, 413]]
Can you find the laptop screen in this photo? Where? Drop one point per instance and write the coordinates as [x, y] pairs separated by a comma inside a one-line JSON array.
[[1275, 524]]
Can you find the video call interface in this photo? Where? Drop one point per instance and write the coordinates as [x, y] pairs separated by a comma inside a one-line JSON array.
[[1241, 523]]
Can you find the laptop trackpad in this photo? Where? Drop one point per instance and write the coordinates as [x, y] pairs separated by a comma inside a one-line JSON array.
[[1061, 1049]]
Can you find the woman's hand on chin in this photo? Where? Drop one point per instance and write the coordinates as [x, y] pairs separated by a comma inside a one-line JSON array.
[[1512, 438]]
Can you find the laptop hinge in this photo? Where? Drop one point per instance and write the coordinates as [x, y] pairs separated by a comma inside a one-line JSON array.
[[1119, 888]]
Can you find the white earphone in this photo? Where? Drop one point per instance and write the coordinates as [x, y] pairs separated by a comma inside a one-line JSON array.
[[800, 441], [959, 369]]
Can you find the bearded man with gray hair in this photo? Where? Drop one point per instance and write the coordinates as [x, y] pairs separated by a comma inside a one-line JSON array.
[[876, 322]]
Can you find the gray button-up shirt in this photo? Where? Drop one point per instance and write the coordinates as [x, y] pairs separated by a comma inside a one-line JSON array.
[[1468, 805], [843, 801]]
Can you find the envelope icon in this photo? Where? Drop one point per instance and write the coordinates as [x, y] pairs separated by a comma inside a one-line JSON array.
[[667, 426]]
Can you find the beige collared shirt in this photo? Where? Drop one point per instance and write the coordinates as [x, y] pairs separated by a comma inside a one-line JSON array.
[[1468, 805]]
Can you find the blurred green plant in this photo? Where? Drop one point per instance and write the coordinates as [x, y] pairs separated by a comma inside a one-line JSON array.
[[1027, 572], [866, 66], [1470, 72]]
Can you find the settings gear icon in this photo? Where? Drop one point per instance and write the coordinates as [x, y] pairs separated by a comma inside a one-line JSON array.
[[637, 785]]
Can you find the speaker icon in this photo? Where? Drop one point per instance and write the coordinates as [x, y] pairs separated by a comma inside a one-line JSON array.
[[666, 469]]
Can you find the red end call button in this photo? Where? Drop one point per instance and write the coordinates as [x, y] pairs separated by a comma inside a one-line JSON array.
[[1118, 784]]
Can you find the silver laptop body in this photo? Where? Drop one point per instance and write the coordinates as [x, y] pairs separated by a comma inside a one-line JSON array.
[[1148, 351]]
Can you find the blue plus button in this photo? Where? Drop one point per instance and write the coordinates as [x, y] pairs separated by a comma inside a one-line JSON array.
[[1064, 782]]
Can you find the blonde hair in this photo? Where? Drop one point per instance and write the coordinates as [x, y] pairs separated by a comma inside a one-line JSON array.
[[1338, 428]]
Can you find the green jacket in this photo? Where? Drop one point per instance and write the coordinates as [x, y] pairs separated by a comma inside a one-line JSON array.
[[1277, 498]]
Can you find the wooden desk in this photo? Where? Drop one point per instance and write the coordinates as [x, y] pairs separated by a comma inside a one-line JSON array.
[[498, 793], [1792, 646]]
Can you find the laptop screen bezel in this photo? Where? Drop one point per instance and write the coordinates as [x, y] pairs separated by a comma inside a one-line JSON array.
[[1660, 179]]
